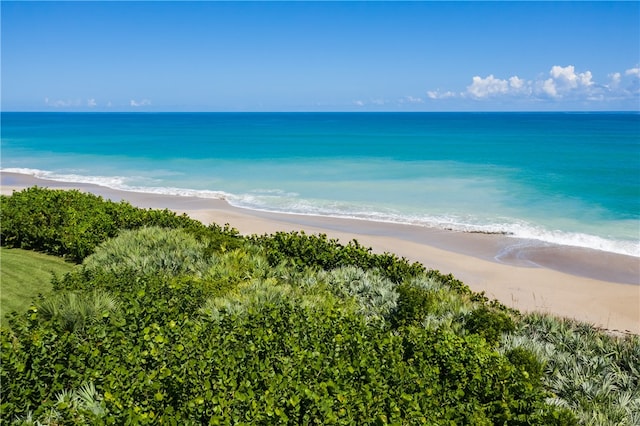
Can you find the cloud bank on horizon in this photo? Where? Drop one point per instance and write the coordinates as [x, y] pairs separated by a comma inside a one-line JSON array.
[[562, 83]]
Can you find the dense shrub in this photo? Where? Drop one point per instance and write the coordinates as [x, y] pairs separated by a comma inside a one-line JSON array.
[[489, 323], [276, 361], [526, 361], [414, 304], [320, 251], [40, 358], [73, 223]]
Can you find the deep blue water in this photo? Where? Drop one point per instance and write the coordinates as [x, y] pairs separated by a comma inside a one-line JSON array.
[[568, 178]]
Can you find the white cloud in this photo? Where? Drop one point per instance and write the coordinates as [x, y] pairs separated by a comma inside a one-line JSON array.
[[411, 100], [491, 86], [488, 86], [565, 80], [631, 84], [437, 94], [369, 102], [516, 83], [562, 80], [549, 87], [561, 83], [615, 79], [61, 103], [624, 85], [91, 103], [141, 103], [633, 72]]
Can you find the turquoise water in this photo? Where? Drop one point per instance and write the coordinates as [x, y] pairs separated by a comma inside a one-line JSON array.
[[564, 178]]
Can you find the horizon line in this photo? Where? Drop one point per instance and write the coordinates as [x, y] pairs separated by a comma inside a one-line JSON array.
[[331, 112]]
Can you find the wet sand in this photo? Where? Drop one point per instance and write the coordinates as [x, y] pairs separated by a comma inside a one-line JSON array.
[[589, 285]]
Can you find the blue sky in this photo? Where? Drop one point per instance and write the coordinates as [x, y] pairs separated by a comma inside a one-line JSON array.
[[320, 56]]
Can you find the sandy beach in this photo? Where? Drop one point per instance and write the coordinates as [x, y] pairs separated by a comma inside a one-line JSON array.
[[597, 287]]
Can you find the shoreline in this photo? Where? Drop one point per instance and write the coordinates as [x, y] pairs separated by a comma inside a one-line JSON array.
[[598, 287]]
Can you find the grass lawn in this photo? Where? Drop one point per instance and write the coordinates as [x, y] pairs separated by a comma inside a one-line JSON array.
[[23, 275]]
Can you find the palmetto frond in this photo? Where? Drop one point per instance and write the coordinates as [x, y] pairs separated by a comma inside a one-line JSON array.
[[77, 310]]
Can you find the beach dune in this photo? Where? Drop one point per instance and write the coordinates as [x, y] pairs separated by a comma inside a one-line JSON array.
[[597, 287]]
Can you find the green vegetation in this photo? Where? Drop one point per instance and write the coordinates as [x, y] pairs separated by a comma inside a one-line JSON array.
[[23, 276], [592, 374], [71, 223], [165, 320]]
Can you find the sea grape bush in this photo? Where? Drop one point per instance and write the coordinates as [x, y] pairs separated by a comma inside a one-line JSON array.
[[320, 251], [489, 323], [414, 303], [161, 359], [72, 223]]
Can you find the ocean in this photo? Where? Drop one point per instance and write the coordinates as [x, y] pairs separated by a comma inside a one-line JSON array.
[[551, 178]]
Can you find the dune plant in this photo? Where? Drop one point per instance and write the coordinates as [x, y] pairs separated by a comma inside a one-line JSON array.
[[588, 371], [75, 311], [374, 293], [261, 293], [148, 251], [78, 406], [238, 265]]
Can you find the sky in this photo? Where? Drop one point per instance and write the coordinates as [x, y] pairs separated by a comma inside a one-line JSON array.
[[320, 56]]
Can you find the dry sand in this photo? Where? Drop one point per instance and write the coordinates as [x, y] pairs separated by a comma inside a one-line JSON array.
[[589, 285]]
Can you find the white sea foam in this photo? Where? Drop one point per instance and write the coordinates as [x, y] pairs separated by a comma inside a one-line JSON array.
[[512, 228], [118, 182], [114, 182], [290, 202]]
